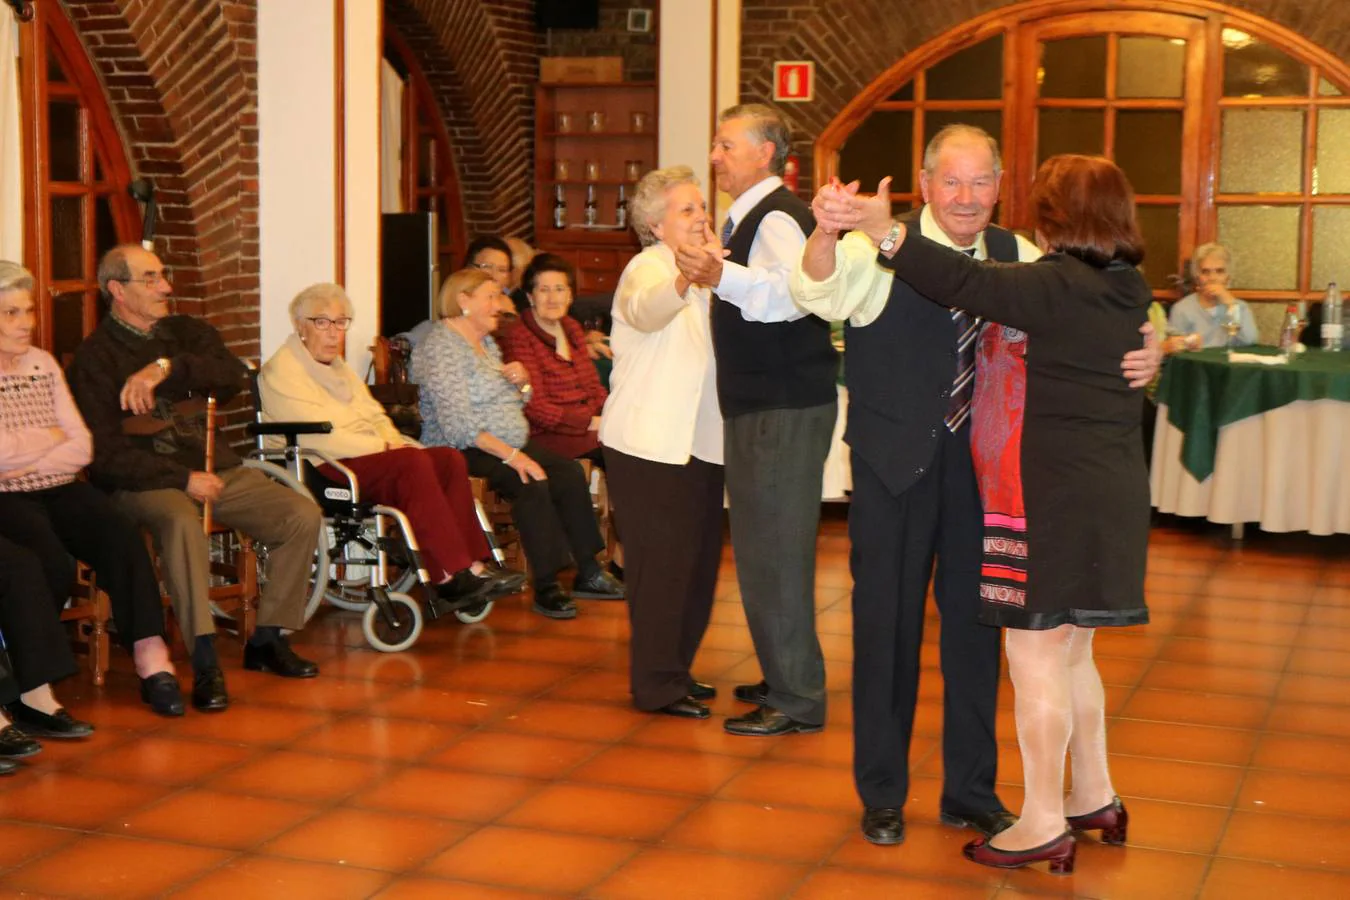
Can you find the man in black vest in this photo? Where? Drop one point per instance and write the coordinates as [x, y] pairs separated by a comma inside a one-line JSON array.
[[910, 376], [775, 384]]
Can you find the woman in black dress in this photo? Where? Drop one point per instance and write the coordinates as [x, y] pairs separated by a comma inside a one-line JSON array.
[[1062, 476]]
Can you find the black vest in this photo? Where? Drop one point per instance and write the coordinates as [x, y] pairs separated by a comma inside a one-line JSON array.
[[770, 365], [899, 371]]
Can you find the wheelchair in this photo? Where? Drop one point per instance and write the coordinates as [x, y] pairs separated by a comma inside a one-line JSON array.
[[370, 561]]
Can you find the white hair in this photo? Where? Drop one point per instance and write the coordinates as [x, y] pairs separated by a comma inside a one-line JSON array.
[[647, 206], [1204, 252], [14, 277], [316, 295]]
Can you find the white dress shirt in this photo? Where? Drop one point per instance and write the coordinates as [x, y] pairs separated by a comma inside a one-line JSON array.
[[760, 288], [662, 402]]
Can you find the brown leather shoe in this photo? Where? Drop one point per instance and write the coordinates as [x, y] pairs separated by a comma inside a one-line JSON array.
[[766, 722]]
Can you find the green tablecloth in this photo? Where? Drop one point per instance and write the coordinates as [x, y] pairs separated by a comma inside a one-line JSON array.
[[1204, 392]]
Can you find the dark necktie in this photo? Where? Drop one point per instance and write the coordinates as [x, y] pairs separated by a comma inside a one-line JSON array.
[[963, 386], [727, 227]]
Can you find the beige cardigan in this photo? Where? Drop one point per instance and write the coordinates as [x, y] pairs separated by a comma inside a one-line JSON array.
[[290, 394]]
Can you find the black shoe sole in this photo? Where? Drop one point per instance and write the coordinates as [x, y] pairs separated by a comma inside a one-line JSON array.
[[210, 707], [259, 667], [955, 821], [46, 734], [704, 713], [795, 728], [569, 613], [588, 595], [884, 842], [16, 755]]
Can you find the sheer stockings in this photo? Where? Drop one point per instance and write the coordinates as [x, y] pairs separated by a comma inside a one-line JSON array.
[[1060, 706]]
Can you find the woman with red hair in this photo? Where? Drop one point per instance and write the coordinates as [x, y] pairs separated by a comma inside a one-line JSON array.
[[1062, 478]]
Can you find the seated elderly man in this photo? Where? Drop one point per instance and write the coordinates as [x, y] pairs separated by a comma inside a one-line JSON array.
[[308, 380], [139, 364], [1197, 320]]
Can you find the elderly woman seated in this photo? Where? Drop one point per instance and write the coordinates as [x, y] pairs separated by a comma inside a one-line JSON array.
[[48, 516], [1197, 320], [564, 407], [307, 380], [472, 401]]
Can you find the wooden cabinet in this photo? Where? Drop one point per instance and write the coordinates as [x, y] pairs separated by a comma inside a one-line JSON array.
[[591, 139]]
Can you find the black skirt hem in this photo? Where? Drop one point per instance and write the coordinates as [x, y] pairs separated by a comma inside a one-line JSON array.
[[1001, 615]]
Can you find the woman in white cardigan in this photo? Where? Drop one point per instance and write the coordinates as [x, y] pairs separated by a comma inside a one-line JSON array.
[[307, 380], [662, 437]]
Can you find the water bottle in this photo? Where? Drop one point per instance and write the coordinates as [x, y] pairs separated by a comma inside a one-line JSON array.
[[1289, 332], [1333, 329]]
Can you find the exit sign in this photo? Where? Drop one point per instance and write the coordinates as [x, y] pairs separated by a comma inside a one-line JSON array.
[[794, 80]]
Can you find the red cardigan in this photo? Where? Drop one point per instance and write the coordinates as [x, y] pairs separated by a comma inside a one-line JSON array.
[[567, 393]]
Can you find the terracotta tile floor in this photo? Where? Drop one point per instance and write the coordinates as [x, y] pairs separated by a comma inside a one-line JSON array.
[[503, 761]]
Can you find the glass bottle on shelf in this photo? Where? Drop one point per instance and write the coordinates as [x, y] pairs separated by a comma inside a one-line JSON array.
[[1333, 327], [592, 211], [559, 207], [621, 208]]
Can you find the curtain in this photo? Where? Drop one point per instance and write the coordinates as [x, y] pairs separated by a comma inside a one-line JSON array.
[[11, 150], [391, 139]]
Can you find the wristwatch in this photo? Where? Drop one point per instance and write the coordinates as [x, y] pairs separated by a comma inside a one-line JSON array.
[[888, 243], [164, 365]]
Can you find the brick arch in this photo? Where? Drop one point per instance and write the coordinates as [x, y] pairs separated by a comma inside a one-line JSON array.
[[855, 41], [481, 61], [180, 77]]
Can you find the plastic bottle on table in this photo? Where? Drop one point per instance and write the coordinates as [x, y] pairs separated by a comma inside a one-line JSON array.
[[1333, 329], [1289, 331]]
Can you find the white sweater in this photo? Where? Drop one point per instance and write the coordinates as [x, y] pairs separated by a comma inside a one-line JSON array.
[[290, 394]]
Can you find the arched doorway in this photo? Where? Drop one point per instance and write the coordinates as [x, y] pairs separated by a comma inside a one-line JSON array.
[[1232, 128], [75, 177]]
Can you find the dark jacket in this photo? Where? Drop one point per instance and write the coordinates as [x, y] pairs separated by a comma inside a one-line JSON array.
[[200, 364]]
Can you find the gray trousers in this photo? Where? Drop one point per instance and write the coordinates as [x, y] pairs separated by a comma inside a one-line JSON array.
[[287, 522], [774, 464]]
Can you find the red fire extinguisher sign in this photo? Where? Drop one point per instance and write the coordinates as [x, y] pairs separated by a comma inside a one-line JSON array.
[[793, 80]]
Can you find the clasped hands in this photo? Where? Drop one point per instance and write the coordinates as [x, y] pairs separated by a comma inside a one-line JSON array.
[[838, 207], [701, 264]]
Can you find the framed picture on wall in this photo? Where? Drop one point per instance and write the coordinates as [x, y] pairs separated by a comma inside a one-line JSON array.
[[640, 20]]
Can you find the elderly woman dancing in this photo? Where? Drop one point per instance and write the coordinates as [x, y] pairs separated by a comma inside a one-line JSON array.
[[662, 436], [47, 511], [471, 401], [308, 380]]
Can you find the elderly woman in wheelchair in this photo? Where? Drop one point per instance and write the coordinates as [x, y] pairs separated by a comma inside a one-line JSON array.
[[308, 381]]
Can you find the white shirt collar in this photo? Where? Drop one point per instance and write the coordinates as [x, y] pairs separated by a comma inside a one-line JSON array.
[[929, 228], [753, 194]]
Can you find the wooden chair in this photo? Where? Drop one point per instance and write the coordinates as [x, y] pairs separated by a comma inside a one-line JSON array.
[[234, 584], [604, 512], [503, 526], [89, 612]]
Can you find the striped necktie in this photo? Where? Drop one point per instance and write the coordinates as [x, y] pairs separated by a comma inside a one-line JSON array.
[[963, 386], [727, 227]]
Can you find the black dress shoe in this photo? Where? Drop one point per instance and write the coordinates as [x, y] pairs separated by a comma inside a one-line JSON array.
[[988, 823], [60, 725], [686, 708], [600, 586], [552, 601], [463, 589], [278, 658], [162, 693], [502, 581], [767, 721], [883, 825], [700, 691], [208, 690], [757, 694], [14, 744], [7, 767]]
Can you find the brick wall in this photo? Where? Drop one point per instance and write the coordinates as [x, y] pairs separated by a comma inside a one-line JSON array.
[[855, 41], [612, 38], [482, 61]]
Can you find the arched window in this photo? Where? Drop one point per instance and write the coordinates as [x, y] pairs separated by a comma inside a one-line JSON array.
[[1230, 128], [76, 177]]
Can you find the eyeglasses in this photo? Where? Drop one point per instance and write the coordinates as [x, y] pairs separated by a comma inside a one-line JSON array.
[[323, 323], [495, 270], [150, 279]]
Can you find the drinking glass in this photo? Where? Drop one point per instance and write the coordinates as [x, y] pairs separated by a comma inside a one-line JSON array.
[[595, 120], [564, 122], [1232, 323]]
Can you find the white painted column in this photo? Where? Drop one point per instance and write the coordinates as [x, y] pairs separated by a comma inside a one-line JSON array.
[[363, 55]]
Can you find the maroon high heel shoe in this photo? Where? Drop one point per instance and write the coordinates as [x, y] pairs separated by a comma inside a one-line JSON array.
[[1112, 820], [1059, 853]]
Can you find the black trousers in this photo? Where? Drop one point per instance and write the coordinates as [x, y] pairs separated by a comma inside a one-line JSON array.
[[554, 516], [894, 542], [31, 624], [79, 520], [671, 527]]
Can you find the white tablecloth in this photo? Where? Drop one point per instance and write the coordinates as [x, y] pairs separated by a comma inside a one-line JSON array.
[[1286, 470]]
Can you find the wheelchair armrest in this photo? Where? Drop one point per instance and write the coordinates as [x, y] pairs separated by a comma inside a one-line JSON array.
[[288, 430]]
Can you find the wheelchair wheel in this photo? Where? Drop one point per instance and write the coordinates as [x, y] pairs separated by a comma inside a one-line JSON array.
[[472, 615], [319, 576], [349, 587], [397, 630]]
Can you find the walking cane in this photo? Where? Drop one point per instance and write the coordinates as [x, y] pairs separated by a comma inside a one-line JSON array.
[[210, 457]]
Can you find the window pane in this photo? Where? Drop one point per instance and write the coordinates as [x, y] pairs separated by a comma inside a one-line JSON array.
[[63, 131], [975, 73], [906, 92], [1331, 246], [1148, 148], [1161, 227], [67, 324], [1331, 174], [1150, 67], [1070, 131], [882, 145], [67, 237], [1262, 151], [1074, 67], [934, 120], [1327, 89], [1252, 68], [1264, 243], [105, 231]]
